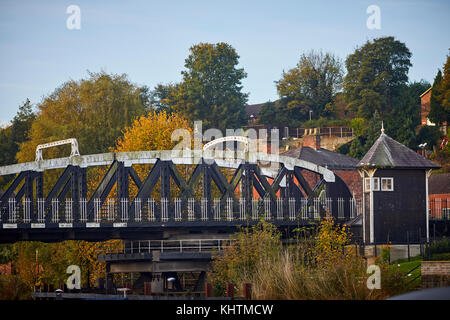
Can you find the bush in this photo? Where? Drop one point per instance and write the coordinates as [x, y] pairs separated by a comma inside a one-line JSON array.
[[237, 263], [320, 266], [441, 246], [12, 288]]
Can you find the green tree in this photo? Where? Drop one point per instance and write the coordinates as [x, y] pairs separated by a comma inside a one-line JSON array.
[[402, 122], [375, 72], [163, 96], [436, 114], [12, 136], [445, 88], [440, 96], [211, 89], [311, 86], [277, 113], [356, 149], [429, 135]]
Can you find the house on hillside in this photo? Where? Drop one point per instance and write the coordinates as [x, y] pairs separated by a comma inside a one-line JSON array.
[[253, 111], [425, 99], [425, 108]]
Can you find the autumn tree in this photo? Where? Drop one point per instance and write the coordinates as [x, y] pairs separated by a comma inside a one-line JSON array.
[[151, 132], [93, 110]]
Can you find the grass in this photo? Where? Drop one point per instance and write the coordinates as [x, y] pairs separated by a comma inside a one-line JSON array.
[[405, 267]]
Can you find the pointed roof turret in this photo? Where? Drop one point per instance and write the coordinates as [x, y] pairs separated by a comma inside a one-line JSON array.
[[386, 152]]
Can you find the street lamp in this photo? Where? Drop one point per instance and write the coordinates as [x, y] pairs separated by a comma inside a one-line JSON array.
[[310, 111]]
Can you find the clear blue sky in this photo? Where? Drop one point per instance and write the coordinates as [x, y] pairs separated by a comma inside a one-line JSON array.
[[149, 40]]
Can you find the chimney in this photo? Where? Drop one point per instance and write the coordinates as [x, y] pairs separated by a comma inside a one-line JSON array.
[[312, 140]]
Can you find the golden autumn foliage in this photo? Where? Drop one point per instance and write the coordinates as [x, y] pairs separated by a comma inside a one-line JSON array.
[[151, 132], [39, 263]]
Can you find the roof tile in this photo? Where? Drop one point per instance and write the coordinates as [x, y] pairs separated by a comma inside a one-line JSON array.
[[386, 152]]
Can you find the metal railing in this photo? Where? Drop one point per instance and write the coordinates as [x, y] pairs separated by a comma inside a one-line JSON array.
[[323, 131], [183, 245], [178, 210]]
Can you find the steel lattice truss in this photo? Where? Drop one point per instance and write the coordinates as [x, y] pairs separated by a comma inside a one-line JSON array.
[[283, 196]]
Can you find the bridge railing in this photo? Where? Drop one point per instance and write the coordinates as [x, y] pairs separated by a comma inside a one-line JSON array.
[[150, 210]]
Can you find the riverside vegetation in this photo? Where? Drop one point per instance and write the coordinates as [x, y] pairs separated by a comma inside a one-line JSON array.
[[320, 264]]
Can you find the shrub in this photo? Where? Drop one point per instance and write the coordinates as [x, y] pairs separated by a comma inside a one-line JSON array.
[[236, 263], [320, 266], [441, 246]]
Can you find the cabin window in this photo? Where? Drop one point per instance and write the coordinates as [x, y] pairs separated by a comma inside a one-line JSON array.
[[366, 184], [387, 184], [371, 184], [376, 184]]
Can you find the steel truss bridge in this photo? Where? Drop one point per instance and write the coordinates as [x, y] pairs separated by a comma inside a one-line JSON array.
[[283, 196]]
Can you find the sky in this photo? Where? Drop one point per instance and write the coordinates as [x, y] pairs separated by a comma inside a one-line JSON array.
[[149, 40]]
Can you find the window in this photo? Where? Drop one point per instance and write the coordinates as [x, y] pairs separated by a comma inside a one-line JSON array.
[[366, 184], [387, 184], [376, 184]]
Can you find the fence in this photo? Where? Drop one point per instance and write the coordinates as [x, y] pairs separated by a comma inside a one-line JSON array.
[[323, 131], [285, 132]]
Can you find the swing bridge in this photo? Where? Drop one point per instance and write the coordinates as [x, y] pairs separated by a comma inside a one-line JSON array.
[[195, 190]]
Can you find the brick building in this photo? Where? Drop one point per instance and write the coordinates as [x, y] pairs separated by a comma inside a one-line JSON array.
[[252, 111], [342, 166], [439, 195], [425, 108], [425, 99]]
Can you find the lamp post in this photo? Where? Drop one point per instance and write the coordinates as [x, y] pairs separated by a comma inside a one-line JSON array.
[[310, 111]]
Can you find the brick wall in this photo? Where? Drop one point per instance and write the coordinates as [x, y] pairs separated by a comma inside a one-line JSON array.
[[443, 196], [350, 177], [353, 181], [425, 107], [436, 268], [435, 274]]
